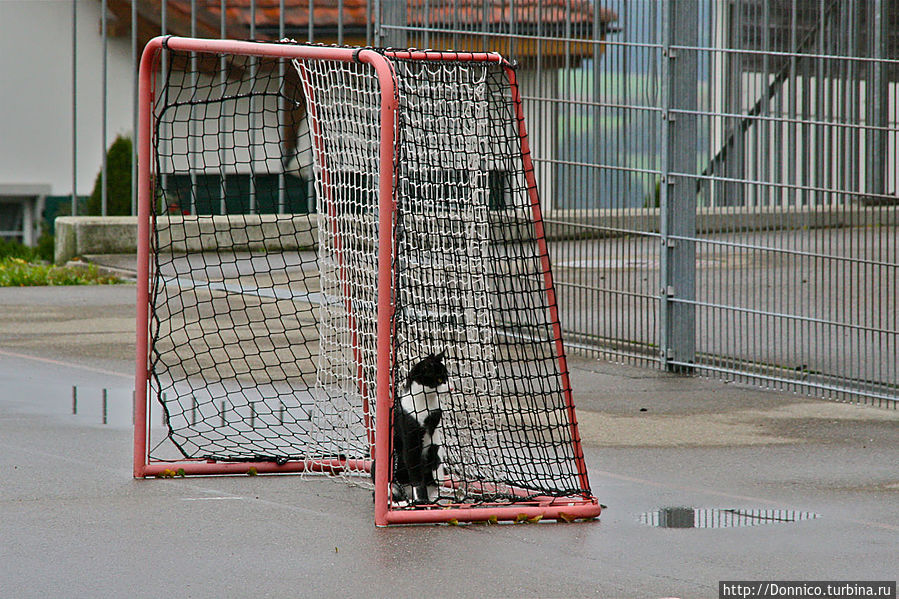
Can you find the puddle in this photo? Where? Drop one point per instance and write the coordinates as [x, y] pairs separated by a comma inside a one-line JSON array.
[[689, 517]]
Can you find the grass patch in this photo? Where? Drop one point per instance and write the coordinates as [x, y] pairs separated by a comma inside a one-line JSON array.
[[43, 252], [14, 249], [18, 272]]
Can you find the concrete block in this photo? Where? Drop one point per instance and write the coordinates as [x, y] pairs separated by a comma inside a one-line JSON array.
[[77, 235], [80, 235]]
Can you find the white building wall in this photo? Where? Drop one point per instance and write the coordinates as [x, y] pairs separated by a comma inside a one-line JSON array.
[[36, 93]]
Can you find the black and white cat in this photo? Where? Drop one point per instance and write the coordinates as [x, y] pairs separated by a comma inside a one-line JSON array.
[[417, 436]]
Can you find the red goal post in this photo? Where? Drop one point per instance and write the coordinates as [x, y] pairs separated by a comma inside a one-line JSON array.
[[480, 497]]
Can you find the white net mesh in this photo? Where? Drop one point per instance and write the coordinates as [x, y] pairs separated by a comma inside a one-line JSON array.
[[467, 269], [344, 106]]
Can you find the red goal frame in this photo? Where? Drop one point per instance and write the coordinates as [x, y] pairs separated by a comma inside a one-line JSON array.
[[567, 508]]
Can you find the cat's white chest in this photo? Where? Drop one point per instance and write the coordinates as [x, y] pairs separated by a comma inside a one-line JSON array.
[[420, 401]]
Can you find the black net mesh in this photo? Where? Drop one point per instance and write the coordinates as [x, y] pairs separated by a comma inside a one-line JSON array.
[[264, 295], [471, 279], [236, 287]]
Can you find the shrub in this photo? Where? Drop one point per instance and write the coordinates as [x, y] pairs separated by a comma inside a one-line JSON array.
[[15, 249], [46, 246], [118, 181], [42, 252]]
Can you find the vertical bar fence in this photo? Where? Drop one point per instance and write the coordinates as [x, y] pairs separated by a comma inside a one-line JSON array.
[[720, 178]]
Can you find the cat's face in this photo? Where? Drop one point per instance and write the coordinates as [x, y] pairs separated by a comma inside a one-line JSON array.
[[430, 372]]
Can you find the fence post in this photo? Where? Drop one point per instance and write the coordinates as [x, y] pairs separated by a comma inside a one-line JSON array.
[[74, 107], [878, 104], [677, 189]]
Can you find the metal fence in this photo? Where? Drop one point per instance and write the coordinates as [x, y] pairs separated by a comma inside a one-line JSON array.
[[720, 176]]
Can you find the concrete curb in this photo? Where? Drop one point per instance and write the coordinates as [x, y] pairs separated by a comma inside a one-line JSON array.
[[80, 235]]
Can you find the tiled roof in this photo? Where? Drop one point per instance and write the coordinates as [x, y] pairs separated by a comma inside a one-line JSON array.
[[524, 12], [296, 12], [326, 14]]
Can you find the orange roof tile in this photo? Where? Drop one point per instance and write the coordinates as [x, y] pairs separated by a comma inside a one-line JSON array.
[[326, 13]]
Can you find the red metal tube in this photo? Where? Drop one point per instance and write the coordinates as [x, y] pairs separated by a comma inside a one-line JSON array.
[[144, 198], [438, 55], [481, 514], [202, 467], [386, 209]]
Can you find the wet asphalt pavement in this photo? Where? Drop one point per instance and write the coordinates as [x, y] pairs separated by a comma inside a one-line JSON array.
[[73, 522]]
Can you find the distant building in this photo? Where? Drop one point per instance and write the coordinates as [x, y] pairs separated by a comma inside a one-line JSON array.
[[53, 106], [37, 106]]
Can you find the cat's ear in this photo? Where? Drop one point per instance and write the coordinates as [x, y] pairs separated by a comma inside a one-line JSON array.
[[441, 355]]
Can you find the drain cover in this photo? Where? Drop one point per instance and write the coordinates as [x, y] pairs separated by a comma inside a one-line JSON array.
[[690, 517]]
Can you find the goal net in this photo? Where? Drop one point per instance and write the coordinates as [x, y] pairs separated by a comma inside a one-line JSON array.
[[283, 318]]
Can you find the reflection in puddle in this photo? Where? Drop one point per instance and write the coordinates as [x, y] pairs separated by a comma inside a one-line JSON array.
[[688, 517]]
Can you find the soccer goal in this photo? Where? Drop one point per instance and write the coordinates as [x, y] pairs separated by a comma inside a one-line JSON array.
[[313, 222]]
